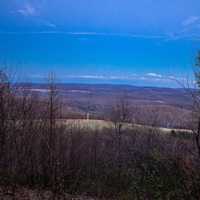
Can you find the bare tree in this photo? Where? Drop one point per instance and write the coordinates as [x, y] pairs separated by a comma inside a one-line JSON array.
[[196, 103], [53, 112], [120, 115], [4, 116], [4, 90]]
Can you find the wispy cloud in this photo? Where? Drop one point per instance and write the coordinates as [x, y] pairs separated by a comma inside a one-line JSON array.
[[48, 23], [167, 37], [188, 30], [27, 10], [103, 77], [151, 77], [154, 75], [86, 76], [30, 10], [191, 20], [148, 76], [191, 26], [116, 35]]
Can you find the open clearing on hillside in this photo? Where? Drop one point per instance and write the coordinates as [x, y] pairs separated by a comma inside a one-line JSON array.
[[101, 124]]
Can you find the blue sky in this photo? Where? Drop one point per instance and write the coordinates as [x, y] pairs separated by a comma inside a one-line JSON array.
[[143, 42]]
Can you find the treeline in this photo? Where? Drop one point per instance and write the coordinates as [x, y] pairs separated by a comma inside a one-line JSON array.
[[38, 151]]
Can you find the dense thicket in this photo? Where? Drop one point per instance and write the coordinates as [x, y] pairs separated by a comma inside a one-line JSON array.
[[38, 151]]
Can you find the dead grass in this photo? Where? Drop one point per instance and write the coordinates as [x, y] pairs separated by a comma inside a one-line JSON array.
[[101, 124]]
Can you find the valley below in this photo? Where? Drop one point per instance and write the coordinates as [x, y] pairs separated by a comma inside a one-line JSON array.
[[162, 107]]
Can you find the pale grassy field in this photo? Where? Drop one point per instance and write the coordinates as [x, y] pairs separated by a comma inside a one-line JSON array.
[[88, 124], [101, 124]]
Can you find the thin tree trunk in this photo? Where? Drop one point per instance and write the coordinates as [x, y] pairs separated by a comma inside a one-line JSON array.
[[197, 138]]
